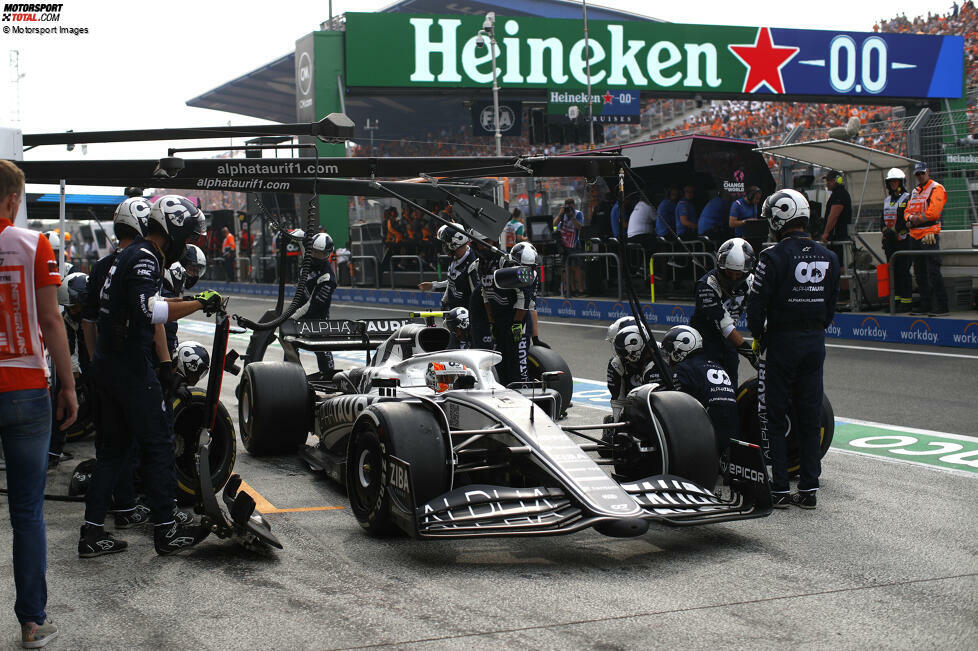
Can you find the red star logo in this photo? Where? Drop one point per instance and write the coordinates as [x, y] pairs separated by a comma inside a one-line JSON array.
[[607, 97], [764, 61]]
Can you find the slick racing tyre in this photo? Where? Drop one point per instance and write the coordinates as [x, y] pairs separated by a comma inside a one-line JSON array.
[[274, 408], [188, 419], [541, 360], [679, 432], [375, 483], [750, 426], [84, 425]]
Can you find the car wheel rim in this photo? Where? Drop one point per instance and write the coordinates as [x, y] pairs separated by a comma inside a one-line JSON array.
[[365, 469]]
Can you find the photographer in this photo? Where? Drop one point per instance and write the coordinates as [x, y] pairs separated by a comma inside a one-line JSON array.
[[568, 224]]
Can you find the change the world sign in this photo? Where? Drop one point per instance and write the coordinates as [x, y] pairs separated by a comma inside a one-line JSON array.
[[444, 52]]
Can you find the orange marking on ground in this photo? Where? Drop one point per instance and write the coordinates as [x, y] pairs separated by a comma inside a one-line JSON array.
[[265, 507]]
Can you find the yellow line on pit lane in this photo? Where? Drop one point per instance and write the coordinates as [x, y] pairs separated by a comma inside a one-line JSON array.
[[265, 507]]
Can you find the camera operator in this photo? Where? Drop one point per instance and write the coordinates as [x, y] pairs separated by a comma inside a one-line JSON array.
[[129, 396]]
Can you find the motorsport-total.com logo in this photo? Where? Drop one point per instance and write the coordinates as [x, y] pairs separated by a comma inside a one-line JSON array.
[[30, 13]]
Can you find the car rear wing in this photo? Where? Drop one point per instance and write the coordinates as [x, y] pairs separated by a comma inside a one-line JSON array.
[[339, 334]]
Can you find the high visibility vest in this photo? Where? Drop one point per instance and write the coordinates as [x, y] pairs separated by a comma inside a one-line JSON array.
[[891, 209], [920, 199]]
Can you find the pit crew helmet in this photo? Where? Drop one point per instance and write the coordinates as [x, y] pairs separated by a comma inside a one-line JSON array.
[[174, 276], [73, 289], [525, 253], [179, 219], [618, 325], [452, 239], [457, 319], [132, 213], [736, 254], [629, 344], [441, 376], [192, 361], [786, 207], [680, 342], [195, 265], [322, 245]]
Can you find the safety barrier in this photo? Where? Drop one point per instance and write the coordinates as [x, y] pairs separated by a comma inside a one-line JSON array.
[[910, 254], [417, 258], [353, 276], [662, 255]]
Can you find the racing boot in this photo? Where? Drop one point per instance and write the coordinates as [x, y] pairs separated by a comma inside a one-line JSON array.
[[780, 499], [182, 517], [173, 537], [95, 541], [135, 516]]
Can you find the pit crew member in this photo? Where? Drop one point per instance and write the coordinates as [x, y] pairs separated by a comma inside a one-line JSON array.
[[320, 286], [790, 303]]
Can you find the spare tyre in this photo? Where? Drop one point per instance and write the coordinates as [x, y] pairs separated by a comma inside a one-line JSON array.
[[274, 408], [188, 419], [750, 425]]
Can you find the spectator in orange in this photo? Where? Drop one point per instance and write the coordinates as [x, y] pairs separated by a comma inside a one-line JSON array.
[[227, 252]]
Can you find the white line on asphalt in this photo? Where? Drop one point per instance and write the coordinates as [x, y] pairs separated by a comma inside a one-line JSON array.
[[908, 430], [604, 327], [918, 464]]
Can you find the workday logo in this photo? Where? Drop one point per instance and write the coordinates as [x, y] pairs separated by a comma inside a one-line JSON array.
[[967, 337], [919, 332], [617, 311], [833, 330], [650, 314], [591, 311], [543, 307], [869, 327], [677, 316], [566, 309]]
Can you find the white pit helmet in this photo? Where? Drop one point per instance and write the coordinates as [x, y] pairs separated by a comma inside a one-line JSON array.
[[618, 325], [133, 212], [680, 342], [525, 253], [785, 206], [736, 254], [452, 239], [192, 361], [895, 173]]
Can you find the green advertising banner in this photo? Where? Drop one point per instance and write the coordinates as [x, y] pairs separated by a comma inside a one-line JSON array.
[[402, 50]]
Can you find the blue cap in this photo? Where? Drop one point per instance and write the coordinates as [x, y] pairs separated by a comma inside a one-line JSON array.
[[920, 167]]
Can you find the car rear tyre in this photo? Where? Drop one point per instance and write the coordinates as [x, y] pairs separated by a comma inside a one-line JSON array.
[[541, 360], [689, 446], [274, 408], [750, 426], [188, 419], [414, 435]]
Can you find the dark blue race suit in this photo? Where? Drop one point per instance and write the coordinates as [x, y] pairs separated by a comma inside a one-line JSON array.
[[503, 305], [130, 400], [708, 382], [715, 316], [320, 286], [791, 302]]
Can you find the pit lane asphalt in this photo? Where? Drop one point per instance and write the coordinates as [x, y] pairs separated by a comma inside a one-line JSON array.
[[889, 558]]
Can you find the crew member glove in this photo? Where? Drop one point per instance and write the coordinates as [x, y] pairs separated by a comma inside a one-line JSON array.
[[517, 330], [166, 376], [210, 300], [755, 346], [747, 351], [928, 239]]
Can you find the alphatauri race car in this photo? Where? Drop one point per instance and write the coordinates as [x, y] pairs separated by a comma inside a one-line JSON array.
[[426, 441]]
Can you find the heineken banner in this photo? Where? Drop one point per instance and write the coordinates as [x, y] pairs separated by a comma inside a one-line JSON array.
[[443, 52], [609, 107]]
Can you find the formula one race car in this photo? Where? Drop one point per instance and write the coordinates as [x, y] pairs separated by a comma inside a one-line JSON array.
[[427, 442]]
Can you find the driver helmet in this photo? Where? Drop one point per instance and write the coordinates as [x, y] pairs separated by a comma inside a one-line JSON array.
[[441, 376], [629, 344], [452, 239], [131, 214], [194, 264], [192, 361], [680, 342], [786, 207], [618, 325], [73, 289], [525, 254]]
